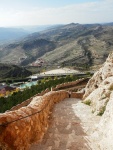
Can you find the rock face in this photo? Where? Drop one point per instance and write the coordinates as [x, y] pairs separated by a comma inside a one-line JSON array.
[[99, 87], [99, 95], [104, 133]]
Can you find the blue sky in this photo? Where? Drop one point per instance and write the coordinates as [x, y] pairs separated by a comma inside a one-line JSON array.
[[40, 3], [41, 12]]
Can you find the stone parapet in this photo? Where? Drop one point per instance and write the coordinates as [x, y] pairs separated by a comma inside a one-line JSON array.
[[22, 127], [68, 84], [76, 95]]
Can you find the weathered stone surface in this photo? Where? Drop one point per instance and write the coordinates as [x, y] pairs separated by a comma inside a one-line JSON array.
[[99, 87], [103, 135], [99, 91], [17, 133], [103, 73], [76, 95]]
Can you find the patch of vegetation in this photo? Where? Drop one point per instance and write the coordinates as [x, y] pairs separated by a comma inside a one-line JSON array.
[[103, 97], [102, 110], [92, 111], [87, 102], [111, 88]]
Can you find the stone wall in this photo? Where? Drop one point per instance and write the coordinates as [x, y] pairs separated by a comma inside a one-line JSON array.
[[64, 85], [68, 84], [76, 95], [27, 122], [20, 128]]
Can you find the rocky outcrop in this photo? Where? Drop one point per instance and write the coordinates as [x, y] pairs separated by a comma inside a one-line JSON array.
[[99, 95], [20, 128], [99, 87], [103, 134]]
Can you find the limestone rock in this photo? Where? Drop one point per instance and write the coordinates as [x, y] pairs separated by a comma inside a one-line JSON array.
[[99, 91], [103, 73], [99, 87], [103, 135]]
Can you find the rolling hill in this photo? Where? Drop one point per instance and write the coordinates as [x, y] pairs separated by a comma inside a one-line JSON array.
[[78, 45], [13, 71]]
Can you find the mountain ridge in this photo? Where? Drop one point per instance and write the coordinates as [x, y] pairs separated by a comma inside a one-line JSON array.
[[76, 43]]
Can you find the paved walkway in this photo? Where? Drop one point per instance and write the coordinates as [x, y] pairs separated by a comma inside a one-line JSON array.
[[71, 125]]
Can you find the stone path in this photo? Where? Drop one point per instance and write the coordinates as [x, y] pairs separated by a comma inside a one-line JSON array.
[[71, 125]]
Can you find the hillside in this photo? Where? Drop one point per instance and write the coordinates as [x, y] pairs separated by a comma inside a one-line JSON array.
[[13, 71], [73, 44]]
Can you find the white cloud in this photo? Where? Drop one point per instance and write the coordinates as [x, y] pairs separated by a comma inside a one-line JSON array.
[[91, 12]]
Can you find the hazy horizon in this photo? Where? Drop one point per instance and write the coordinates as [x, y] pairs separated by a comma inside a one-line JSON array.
[[48, 25], [37, 12]]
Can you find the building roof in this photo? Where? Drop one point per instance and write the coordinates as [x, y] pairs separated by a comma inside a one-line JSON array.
[[6, 87], [2, 86]]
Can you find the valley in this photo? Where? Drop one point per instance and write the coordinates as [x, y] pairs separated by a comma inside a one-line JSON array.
[[80, 46]]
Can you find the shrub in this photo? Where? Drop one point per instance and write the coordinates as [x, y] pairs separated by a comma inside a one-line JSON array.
[[102, 110], [111, 87], [87, 102], [92, 111]]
